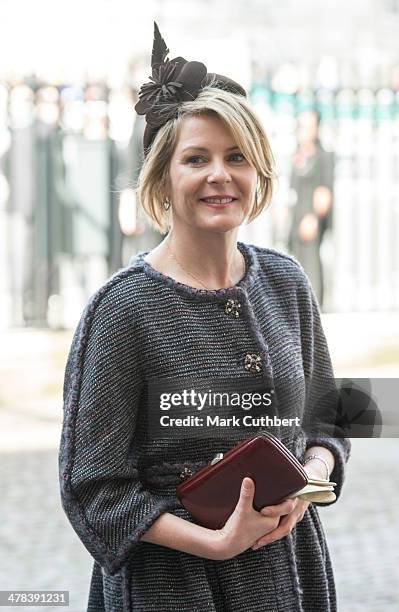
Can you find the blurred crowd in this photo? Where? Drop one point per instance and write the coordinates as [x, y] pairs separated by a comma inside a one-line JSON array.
[[70, 155]]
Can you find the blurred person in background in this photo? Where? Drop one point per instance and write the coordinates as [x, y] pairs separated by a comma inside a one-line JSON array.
[[200, 305], [136, 230], [37, 201], [312, 180]]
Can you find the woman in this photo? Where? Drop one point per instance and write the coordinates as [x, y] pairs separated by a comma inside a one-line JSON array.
[[199, 306], [312, 179]]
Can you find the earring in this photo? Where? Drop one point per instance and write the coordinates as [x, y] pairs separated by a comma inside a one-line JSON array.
[[167, 204]]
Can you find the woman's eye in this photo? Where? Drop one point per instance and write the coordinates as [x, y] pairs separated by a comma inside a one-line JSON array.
[[195, 159], [239, 155], [198, 159]]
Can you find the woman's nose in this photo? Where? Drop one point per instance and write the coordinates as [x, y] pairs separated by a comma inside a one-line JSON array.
[[219, 174]]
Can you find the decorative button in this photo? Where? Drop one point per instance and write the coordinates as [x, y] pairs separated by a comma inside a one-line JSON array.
[[233, 308], [185, 473], [253, 362]]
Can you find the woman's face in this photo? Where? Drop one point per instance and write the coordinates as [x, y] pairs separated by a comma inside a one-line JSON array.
[[211, 184]]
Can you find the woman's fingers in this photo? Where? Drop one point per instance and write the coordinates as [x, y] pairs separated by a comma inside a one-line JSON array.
[[286, 525], [247, 492], [284, 507]]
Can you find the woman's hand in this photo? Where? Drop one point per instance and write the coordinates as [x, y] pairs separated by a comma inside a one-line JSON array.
[[313, 469], [286, 524], [246, 525]]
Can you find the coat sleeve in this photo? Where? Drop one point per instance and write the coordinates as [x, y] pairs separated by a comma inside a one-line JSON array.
[[101, 492], [321, 415]]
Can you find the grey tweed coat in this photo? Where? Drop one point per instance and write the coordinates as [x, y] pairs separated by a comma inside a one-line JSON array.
[[116, 480]]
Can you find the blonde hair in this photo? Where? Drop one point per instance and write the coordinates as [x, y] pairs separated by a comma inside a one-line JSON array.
[[247, 131]]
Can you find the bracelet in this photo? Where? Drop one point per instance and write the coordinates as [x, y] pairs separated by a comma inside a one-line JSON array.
[[321, 459]]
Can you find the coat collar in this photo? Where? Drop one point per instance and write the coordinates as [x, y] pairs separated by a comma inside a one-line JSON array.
[[251, 265]]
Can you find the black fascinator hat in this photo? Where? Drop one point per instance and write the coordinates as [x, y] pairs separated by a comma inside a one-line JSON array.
[[171, 83]]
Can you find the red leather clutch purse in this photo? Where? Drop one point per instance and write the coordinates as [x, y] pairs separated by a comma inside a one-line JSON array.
[[212, 493]]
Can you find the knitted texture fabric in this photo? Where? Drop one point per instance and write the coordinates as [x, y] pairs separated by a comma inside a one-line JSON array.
[[116, 479]]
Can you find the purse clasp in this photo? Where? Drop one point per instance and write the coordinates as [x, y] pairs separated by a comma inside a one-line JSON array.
[[217, 458]]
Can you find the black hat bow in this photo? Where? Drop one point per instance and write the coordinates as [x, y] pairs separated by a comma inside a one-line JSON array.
[[171, 83]]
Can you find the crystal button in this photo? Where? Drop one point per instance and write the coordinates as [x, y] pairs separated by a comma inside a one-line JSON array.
[[233, 308], [253, 362], [185, 473]]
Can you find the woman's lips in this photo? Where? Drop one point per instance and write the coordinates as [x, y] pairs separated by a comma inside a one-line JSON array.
[[215, 203]]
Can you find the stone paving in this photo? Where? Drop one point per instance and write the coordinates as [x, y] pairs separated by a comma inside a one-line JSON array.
[[363, 529], [39, 549]]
